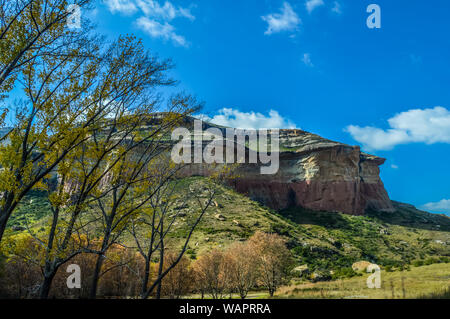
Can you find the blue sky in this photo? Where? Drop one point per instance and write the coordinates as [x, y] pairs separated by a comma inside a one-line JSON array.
[[315, 64]]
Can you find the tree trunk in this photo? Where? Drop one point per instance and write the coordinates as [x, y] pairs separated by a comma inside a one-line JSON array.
[[96, 276], [46, 284], [161, 260], [158, 289], [145, 279], [3, 221], [5, 213], [101, 257]]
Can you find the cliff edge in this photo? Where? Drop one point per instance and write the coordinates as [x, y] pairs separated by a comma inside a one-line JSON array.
[[314, 173], [318, 174]]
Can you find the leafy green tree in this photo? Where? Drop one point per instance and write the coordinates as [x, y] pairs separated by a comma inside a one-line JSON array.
[[35, 29], [110, 163], [61, 76]]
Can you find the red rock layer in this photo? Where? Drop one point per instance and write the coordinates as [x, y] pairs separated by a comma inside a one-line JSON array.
[[319, 175]]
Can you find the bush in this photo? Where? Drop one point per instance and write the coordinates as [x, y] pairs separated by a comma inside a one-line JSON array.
[[445, 259], [346, 272], [430, 261], [180, 279], [191, 253], [417, 263]]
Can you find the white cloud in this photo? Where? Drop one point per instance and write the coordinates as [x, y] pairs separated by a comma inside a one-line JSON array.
[[165, 12], [121, 6], [394, 166], [287, 20], [151, 8], [249, 120], [442, 206], [163, 30], [337, 8], [307, 60], [313, 4], [157, 18], [428, 126]]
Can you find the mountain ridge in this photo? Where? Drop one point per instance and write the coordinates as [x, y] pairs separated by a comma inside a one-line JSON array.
[[314, 173]]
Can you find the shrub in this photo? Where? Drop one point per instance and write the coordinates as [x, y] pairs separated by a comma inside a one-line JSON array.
[[346, 272], [179, 280], [430, 261], [445, 259], [192, 254], [417, 263]]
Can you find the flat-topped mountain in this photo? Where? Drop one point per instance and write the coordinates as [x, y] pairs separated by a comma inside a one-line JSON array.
[[314, 173], [319, 174]]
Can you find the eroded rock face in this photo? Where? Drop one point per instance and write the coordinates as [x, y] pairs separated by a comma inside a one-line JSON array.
[[314, 173], [339, 178]]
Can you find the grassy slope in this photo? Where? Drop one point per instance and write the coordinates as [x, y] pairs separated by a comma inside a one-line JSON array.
[[324, 241], [33, 209], [420, 282]]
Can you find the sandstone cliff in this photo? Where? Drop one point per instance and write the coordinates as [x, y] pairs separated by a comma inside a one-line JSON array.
[[314, 173], [318, 174]]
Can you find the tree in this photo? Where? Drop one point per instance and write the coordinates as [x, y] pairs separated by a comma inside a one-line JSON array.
[[152, 228], [58, 70], [201, 285], [210, 273], [243, 267], [107, 144], [273, 259], [22, 266], [118, 275], [81, 133], [70, 86], [179, 280], [133, 184], [35, 29]]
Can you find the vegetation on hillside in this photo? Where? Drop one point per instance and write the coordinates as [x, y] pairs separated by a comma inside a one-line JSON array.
[[325, 241], [324, 245], [418, 282]]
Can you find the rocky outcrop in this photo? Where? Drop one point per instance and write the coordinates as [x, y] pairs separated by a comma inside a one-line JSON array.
[[314, 173], [361, 265]]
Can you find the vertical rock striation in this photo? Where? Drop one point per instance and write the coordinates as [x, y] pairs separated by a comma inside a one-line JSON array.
[[314, 173], [318, 174]]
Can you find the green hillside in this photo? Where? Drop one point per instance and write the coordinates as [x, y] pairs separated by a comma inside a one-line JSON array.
[[323, 241]]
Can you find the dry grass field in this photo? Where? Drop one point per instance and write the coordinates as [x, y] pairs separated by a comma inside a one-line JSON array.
[[431, 281]]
